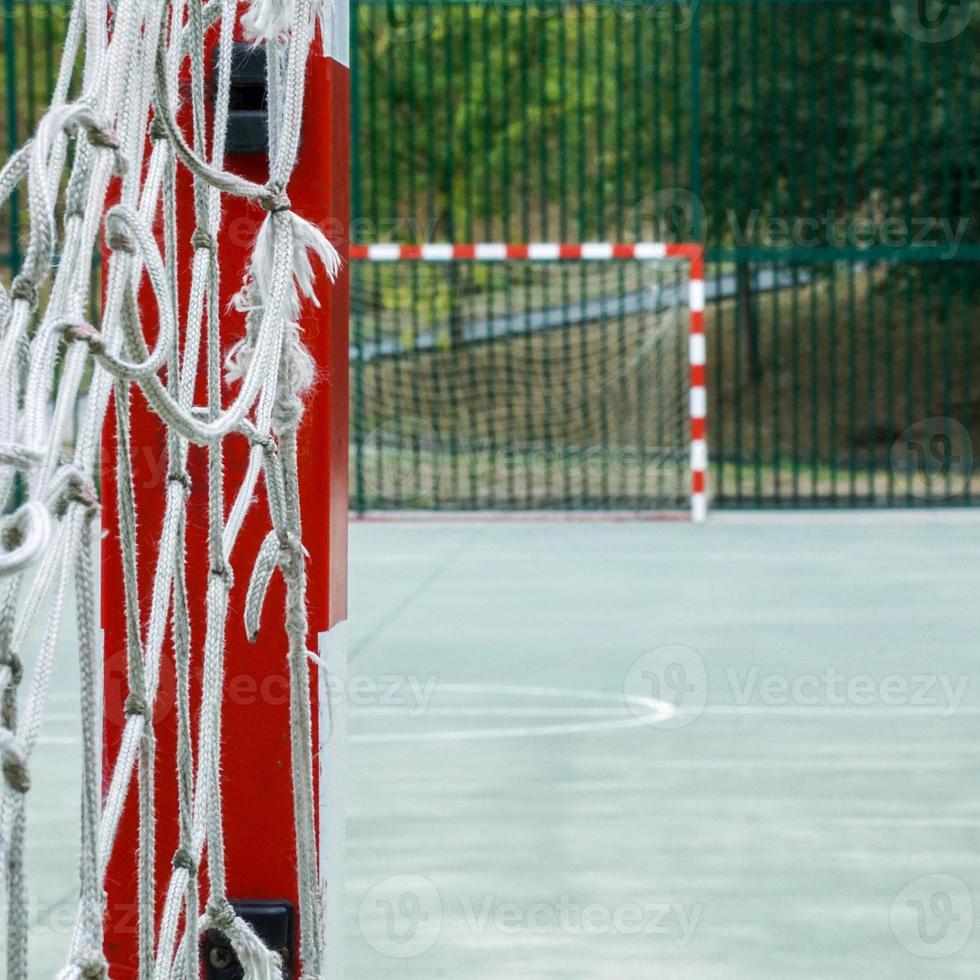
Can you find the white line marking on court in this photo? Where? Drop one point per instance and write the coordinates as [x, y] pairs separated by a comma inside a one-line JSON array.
[[658, 711], [504, 712], [612, 718]]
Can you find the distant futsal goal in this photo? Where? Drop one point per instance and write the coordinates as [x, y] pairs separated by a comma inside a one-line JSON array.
[[538, 377]]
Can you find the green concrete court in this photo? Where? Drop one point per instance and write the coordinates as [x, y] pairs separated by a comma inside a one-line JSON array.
[[793, 829], [811, 810]]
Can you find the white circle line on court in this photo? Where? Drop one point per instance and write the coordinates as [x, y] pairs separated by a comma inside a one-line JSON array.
[[657, 711], [486, 712]]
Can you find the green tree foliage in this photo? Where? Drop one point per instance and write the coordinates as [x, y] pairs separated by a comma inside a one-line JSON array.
[[583, 120]]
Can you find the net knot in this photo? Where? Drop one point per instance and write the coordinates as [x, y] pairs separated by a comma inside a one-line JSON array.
[[183, 861], [92, 966], [182, 479], [13, 663], [86, 333], [222, 915], [275, 199], [24, 290], [117, 239], [78, 490], [20, 457], [11, 536], [136, 705], [224, 573], [202, 239], [16, 775], [263, 440], [102, 137], [158, 131]]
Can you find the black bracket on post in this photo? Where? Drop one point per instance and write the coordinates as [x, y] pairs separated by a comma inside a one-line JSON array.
[[273, 924], [248, 108]]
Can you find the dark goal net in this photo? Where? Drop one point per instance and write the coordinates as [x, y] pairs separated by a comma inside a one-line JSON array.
[[521, 385]]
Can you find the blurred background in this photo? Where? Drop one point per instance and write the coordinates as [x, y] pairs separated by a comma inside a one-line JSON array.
[[825, 151]]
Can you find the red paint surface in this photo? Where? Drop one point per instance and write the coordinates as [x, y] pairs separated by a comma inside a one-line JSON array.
[[257, 804]]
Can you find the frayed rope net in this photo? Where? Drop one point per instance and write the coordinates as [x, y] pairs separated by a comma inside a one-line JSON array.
[[126, 57]]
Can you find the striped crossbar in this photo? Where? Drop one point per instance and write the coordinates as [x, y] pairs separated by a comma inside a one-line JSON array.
[[594, 252], [531, 251]]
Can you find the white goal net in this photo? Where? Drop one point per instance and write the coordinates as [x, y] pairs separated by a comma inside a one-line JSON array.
[[139, 112], [522, 385]]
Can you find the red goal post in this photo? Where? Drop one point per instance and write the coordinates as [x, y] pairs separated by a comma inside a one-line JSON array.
[[691, 253], [259, 838]]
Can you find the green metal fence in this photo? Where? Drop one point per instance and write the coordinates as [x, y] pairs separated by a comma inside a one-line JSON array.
[[829, 147], [605, 118]]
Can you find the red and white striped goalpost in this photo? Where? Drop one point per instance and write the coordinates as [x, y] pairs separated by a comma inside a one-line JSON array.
[[692, 253]]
